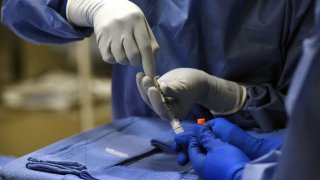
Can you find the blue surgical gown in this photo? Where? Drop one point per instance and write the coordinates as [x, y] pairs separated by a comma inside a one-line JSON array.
[[300, 152], [299, 158], [300, 155], [254, 43]]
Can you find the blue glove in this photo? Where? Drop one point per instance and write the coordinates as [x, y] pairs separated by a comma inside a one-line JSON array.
[[232, 134], [180, 145], [213, 159]]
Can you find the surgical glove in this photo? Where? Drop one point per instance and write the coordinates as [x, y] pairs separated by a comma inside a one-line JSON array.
[[121, 30], [180, 145], [184, 87], [213, 159], [234, 135]]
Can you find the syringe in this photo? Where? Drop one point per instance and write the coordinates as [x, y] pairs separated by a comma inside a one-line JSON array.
[[175, 122]]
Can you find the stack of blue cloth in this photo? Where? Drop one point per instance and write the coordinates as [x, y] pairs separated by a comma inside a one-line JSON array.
[[130, 148]]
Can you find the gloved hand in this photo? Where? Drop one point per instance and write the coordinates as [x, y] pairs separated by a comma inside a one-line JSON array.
[[121, 30], [232, 134], [213, 159], [251, 146], [185, 86]]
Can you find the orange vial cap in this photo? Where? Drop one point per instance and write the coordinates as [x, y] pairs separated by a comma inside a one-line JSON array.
[[201, 121]]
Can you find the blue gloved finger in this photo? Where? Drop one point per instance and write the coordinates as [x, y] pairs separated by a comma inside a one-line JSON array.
[[234, 135], [183, 157], [180, 145], [141, 89], [181, 141], [196, 155], [222, 128], [182, 150], [206, 138], [176, 147]]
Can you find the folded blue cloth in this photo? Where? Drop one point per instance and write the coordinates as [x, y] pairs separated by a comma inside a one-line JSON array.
[[60, 167], [113, 151]]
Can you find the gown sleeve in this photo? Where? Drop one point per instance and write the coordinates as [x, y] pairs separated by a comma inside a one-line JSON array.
[[265, 102], [41, 21]]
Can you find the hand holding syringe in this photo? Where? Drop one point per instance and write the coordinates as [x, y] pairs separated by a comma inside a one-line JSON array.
[[175, 122], [150, 70]]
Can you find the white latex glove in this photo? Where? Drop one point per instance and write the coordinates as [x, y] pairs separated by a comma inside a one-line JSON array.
[[121, 30], [185, 86]]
